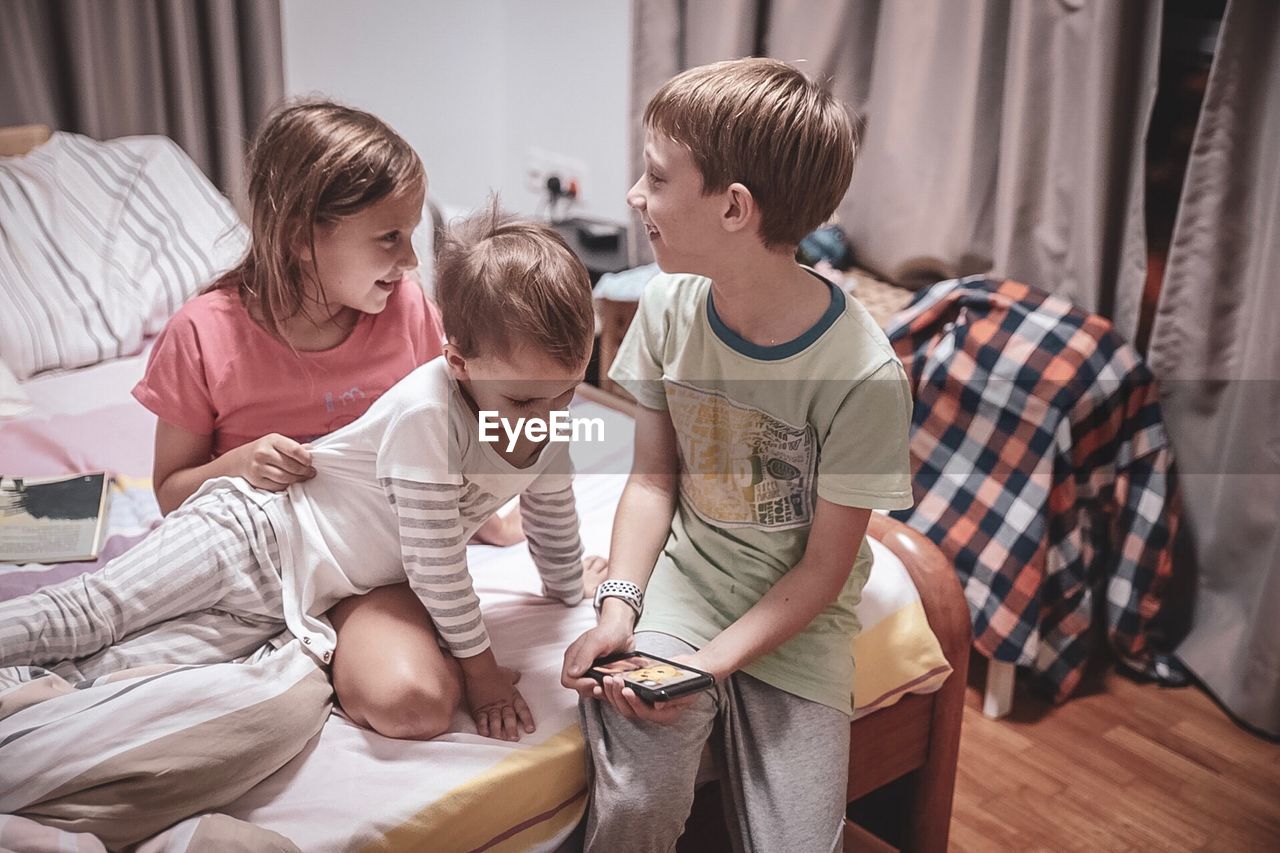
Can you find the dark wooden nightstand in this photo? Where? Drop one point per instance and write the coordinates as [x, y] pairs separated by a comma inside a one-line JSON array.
[[602, 247], [601, 244]]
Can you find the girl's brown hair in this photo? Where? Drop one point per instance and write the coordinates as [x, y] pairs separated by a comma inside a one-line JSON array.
[[312, 163]]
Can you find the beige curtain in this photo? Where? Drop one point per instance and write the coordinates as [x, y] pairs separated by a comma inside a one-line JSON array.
[[1216, 348], [1005, 137], [202, 72]]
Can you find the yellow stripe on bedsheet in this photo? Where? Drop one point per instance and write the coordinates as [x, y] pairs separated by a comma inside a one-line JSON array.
[[124, 481], [896, 656], [525, 799]]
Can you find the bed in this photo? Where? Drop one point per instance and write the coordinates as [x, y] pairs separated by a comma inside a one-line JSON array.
[[349, 789]]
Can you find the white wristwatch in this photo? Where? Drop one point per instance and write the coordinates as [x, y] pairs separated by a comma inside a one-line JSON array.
[[626, 590]]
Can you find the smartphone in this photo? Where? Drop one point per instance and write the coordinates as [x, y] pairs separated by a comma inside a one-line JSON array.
[[654, 679]]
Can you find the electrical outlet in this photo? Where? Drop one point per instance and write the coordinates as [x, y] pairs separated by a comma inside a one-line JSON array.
[[541, 165]]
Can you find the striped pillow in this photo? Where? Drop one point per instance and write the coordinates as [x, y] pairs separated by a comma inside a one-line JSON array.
[[100, 242]]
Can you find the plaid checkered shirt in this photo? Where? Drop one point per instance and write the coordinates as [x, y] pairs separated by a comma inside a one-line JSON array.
[[1041, 467]]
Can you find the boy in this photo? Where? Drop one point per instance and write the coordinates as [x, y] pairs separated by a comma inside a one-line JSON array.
[[773, 418], [396, 494]]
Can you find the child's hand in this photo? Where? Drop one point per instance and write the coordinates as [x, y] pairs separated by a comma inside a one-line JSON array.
[[595, 570], [497, 707], [628, 704], [610, 636], [274, 462]]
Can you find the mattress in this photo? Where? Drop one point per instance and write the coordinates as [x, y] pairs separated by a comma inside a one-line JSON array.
[[351, 789]]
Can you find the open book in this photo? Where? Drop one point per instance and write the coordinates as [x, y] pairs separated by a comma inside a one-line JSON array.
[[55, 520]]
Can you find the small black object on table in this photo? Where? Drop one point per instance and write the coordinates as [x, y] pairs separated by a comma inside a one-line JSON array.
[[602, 247]]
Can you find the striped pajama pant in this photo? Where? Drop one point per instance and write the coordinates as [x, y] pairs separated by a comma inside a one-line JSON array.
[[203, 587]]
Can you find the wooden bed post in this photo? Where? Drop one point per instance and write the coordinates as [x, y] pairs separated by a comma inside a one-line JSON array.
[[933, 785]]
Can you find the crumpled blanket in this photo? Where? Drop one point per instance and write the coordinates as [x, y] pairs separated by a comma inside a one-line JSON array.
[[130, 755]]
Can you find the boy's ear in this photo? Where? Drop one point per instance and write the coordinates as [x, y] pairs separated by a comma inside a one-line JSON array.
[[740, 208], [456, 362]]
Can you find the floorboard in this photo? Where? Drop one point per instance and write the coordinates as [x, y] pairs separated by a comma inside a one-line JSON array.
[[1122, 767]]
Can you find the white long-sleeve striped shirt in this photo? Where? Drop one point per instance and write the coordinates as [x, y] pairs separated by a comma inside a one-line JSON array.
[[433, 545], [397, 494]]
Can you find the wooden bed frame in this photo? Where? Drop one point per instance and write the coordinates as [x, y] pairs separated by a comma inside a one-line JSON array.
[[902, 764]]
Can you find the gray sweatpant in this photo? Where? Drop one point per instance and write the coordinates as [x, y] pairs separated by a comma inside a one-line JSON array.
[[783, 763], [203, 587]]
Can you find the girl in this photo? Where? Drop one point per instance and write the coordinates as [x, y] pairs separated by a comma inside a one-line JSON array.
[[313, 325], [317, 322]]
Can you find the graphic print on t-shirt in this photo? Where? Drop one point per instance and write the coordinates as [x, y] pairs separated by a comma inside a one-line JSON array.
[[741, 466], [345, 406]]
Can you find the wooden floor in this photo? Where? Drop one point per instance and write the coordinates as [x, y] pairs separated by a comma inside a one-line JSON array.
[[1121, 767]]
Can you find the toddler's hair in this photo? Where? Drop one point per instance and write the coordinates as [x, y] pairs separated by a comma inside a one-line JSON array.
[[762, 123], [312, 163], [502, 283]]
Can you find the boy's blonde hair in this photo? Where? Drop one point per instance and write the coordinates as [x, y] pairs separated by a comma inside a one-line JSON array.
[[312, 163], [762, 123], [504, 283]]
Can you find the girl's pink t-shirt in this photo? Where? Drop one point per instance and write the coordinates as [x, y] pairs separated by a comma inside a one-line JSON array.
[[214, 371]]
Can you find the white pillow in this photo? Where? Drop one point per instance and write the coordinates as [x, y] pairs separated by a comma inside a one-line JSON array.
[[100, 242], [13, 400]]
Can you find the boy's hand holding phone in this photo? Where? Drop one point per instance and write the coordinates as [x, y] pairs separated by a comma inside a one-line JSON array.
[[612, 634], [626, 702], [646, 687]]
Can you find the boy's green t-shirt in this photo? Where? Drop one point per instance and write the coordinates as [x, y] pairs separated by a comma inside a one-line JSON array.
[[762, 432]]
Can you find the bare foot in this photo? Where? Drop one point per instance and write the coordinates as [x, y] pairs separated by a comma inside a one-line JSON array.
[[594, 571], [512, 673]]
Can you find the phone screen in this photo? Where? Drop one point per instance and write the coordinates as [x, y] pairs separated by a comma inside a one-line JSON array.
[[647, 672]]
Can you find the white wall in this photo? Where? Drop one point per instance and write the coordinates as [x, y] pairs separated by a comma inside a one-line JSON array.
[[474, 85]]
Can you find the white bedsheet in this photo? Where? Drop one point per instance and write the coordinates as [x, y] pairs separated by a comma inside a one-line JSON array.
[[352, 789]]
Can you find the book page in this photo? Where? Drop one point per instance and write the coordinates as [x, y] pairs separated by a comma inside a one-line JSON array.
[[49, 521], [40, 540]]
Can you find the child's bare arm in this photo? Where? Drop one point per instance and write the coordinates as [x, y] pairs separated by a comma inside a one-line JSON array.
[[643, 519], [641, 526], [800, 595], [182, 463], [784, 611]]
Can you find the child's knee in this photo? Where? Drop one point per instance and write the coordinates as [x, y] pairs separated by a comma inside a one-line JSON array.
[[409, 708], [414, 711]]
